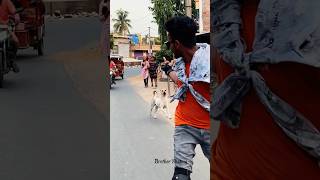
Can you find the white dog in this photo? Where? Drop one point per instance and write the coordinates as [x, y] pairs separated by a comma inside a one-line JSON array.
[[159, 102]]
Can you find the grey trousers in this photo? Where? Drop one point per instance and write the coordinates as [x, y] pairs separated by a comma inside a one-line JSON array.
[[185, 140]]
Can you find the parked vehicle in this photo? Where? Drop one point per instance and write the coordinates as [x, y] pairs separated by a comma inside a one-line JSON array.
[[118, 60], [31, 29]]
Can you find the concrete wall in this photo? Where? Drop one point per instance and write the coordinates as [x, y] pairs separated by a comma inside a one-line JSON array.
[[206, 15], [123, 50]]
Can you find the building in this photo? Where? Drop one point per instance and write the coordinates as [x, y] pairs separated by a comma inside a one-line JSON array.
[[203, 7], [133, 48], [140, 50], [121, 45]]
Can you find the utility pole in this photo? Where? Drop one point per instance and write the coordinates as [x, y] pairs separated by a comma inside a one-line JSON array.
[[188, 6], [150, 46]]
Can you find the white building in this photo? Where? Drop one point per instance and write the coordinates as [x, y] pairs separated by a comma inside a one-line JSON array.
[[121, 45]]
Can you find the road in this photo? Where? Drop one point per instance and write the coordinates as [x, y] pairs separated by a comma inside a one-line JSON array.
[[137, 141], [49, 129]]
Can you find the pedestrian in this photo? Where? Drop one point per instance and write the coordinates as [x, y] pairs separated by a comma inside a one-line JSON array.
[[104, 11], [8, 9], [145, 70], [153, 71], [113, 69], [266, 64], [192, 74]]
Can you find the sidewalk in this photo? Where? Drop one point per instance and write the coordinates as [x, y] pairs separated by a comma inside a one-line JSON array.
[[147, 93]]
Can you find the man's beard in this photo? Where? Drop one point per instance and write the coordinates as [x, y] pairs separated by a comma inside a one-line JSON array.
[[177, 55]]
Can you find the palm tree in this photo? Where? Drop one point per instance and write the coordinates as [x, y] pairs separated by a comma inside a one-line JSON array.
[[122, 24]]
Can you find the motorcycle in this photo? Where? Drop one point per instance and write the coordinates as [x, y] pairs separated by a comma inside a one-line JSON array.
[[8, 50]]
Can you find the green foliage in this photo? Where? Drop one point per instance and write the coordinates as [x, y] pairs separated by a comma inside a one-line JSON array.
[[157, 41], [122, 23], [195, 14], [163, 53], [111, 41], [163, 10]]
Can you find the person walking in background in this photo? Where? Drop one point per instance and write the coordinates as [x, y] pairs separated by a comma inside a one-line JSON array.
[[145, 71], [104, 11], [153, 71], [192, 74], [266, 59]]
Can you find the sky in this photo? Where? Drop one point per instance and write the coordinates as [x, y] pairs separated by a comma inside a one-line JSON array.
[[139, 14]]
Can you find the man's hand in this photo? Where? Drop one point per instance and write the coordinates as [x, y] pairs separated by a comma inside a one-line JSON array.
[[166, 66]]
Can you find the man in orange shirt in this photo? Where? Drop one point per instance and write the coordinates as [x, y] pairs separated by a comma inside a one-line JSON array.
[[192, 74]]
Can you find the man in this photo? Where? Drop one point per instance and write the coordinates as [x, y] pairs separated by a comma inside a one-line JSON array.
[[153, 71], [112, 68], [192, 74], [8, 9]]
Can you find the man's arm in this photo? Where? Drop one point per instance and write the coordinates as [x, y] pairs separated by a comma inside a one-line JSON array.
[[167, 68], [173, 76]]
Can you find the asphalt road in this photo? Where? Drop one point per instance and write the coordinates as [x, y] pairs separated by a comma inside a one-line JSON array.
[[137, 141], [48, 130]]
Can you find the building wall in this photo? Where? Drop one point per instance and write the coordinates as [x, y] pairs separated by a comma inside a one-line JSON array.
[[121, 45], [123, 50], [206, 15]]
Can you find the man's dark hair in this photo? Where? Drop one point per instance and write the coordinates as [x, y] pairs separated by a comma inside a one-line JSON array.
[[183, 29]]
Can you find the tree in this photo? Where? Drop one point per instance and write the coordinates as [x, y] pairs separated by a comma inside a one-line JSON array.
[[157, 41], [163, 10], [122, 23], [111, 41], [163, 53]]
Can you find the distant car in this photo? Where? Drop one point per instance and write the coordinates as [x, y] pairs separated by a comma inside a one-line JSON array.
[[118, 60]]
